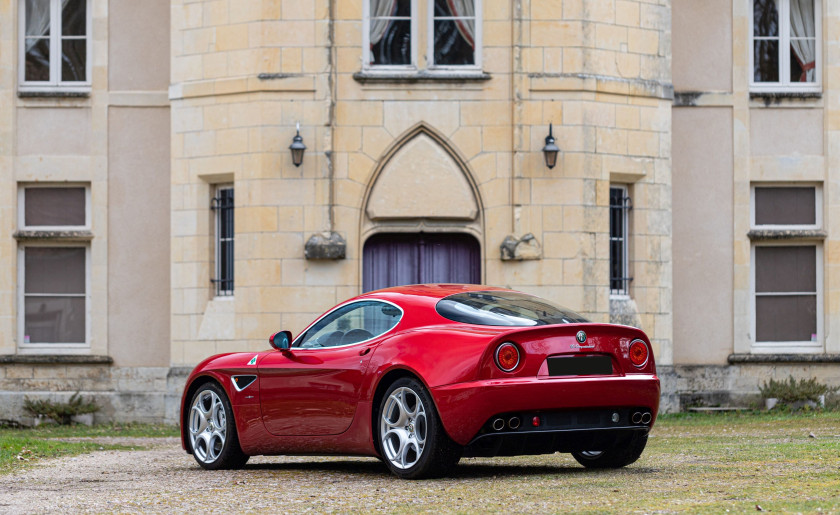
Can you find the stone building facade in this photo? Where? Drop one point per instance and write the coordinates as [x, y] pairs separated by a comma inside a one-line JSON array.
[[84, 204], [425, 124]]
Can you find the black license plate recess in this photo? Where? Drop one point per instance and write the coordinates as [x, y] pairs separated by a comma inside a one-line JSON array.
[[580, 366]]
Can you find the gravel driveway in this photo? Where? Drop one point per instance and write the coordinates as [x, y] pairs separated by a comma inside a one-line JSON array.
[[163, 478]]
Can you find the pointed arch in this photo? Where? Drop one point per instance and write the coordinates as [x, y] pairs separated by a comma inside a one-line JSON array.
[[433, 177]]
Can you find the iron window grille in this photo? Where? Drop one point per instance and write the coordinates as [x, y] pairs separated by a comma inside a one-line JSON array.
[[222, 205], [620, 206]]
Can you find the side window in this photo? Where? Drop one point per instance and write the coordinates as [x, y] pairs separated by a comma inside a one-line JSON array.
[[350, 324], [620, 206], [55, 44], [786, 45], [222, 205]]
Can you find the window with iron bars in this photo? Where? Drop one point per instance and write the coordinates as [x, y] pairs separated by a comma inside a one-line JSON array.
[[222, 206], [620, 207]]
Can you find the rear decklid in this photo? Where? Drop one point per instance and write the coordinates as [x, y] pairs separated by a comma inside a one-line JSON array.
[[569, 350]]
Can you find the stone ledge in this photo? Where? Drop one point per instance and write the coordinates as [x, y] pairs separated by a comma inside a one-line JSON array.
[[419, 76], [553, 82], [56, 359], [30, 235], [734, 359], [57, 93], [786, 234]]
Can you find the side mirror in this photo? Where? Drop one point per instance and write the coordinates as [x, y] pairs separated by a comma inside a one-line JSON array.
[[281, 340]]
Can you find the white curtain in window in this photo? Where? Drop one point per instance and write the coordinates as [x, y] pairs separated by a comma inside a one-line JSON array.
[[378, 25], [802, 26], [37, 20], [466, 27]]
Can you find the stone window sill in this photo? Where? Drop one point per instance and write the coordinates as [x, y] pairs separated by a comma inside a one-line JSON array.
[[786, 234], [737, 359], [54, 93], [35, 235], [56, 359], [795, 95], [417, 76]]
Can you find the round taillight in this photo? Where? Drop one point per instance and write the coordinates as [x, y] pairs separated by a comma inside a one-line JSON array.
[[507, 356], [638, 353]]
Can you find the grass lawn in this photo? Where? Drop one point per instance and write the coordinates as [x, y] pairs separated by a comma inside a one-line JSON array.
[[19, 447]]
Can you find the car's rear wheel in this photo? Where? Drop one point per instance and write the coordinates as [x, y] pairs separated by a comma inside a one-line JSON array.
[[411, 438], [212, 431], [620, 455]]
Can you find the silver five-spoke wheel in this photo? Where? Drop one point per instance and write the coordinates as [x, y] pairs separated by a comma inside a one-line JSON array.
[[403, 428], [208, 426]]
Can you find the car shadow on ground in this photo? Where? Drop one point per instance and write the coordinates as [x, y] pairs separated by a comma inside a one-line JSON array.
[[465, 470]]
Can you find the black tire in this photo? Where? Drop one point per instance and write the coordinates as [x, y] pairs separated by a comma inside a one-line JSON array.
[[620, 455], [211, 430], [406, 415]]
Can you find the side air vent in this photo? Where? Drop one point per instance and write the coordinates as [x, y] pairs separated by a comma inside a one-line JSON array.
[[242, 382]]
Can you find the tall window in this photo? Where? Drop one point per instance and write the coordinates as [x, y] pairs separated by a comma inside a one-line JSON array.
[[53, 274], [787, 276], [55, 43], [452, 39], [619, 262], [222, 205], [786, 45]]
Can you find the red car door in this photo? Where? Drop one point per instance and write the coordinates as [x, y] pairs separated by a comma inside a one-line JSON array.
[[313, 388], [312, 391]]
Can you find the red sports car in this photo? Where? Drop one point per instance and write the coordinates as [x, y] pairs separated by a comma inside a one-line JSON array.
[[423, 375]]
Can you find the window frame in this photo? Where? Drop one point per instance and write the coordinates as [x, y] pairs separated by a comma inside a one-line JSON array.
[[218, 292], [430, 42], [55, 83], [22, 187], [818, 206], [427, 42], [51, 348], [298, 340], [787, 347], [785, 85], [625, 258]]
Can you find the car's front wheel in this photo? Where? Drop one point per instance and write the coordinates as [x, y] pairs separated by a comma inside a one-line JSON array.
[[212, 431], [617, 456], [411, 438]]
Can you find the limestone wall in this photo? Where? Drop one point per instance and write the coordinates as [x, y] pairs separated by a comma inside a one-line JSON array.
[[243, 77]]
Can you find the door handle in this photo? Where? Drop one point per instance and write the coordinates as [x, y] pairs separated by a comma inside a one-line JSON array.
[[364, 351]]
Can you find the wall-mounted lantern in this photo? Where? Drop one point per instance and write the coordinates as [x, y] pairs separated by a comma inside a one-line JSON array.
[[297, 147], [550, 149]]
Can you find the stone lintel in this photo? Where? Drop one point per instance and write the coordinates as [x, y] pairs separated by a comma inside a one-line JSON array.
[[325, 245], [30, 235], [786, 234], [56, 359], [783, 358]]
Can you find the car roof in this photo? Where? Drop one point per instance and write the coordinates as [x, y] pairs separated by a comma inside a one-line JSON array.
[[432, 291]]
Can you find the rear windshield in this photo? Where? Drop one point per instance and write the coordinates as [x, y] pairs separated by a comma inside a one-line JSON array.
[[504, 309]]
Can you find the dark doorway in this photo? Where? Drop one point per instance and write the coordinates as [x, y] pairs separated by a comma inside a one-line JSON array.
[[397, 259]]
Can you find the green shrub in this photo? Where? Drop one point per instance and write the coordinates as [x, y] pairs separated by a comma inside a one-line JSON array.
[[791, 391], [61, 412]]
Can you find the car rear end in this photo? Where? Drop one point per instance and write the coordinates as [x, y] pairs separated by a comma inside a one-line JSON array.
[[564, 387]]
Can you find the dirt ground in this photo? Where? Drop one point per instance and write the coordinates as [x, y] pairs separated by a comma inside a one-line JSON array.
[[748, 467]]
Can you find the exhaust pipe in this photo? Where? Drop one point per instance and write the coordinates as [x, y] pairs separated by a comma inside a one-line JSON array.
[[514, 422], [498, 424], [646, 418], [637, 418]]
